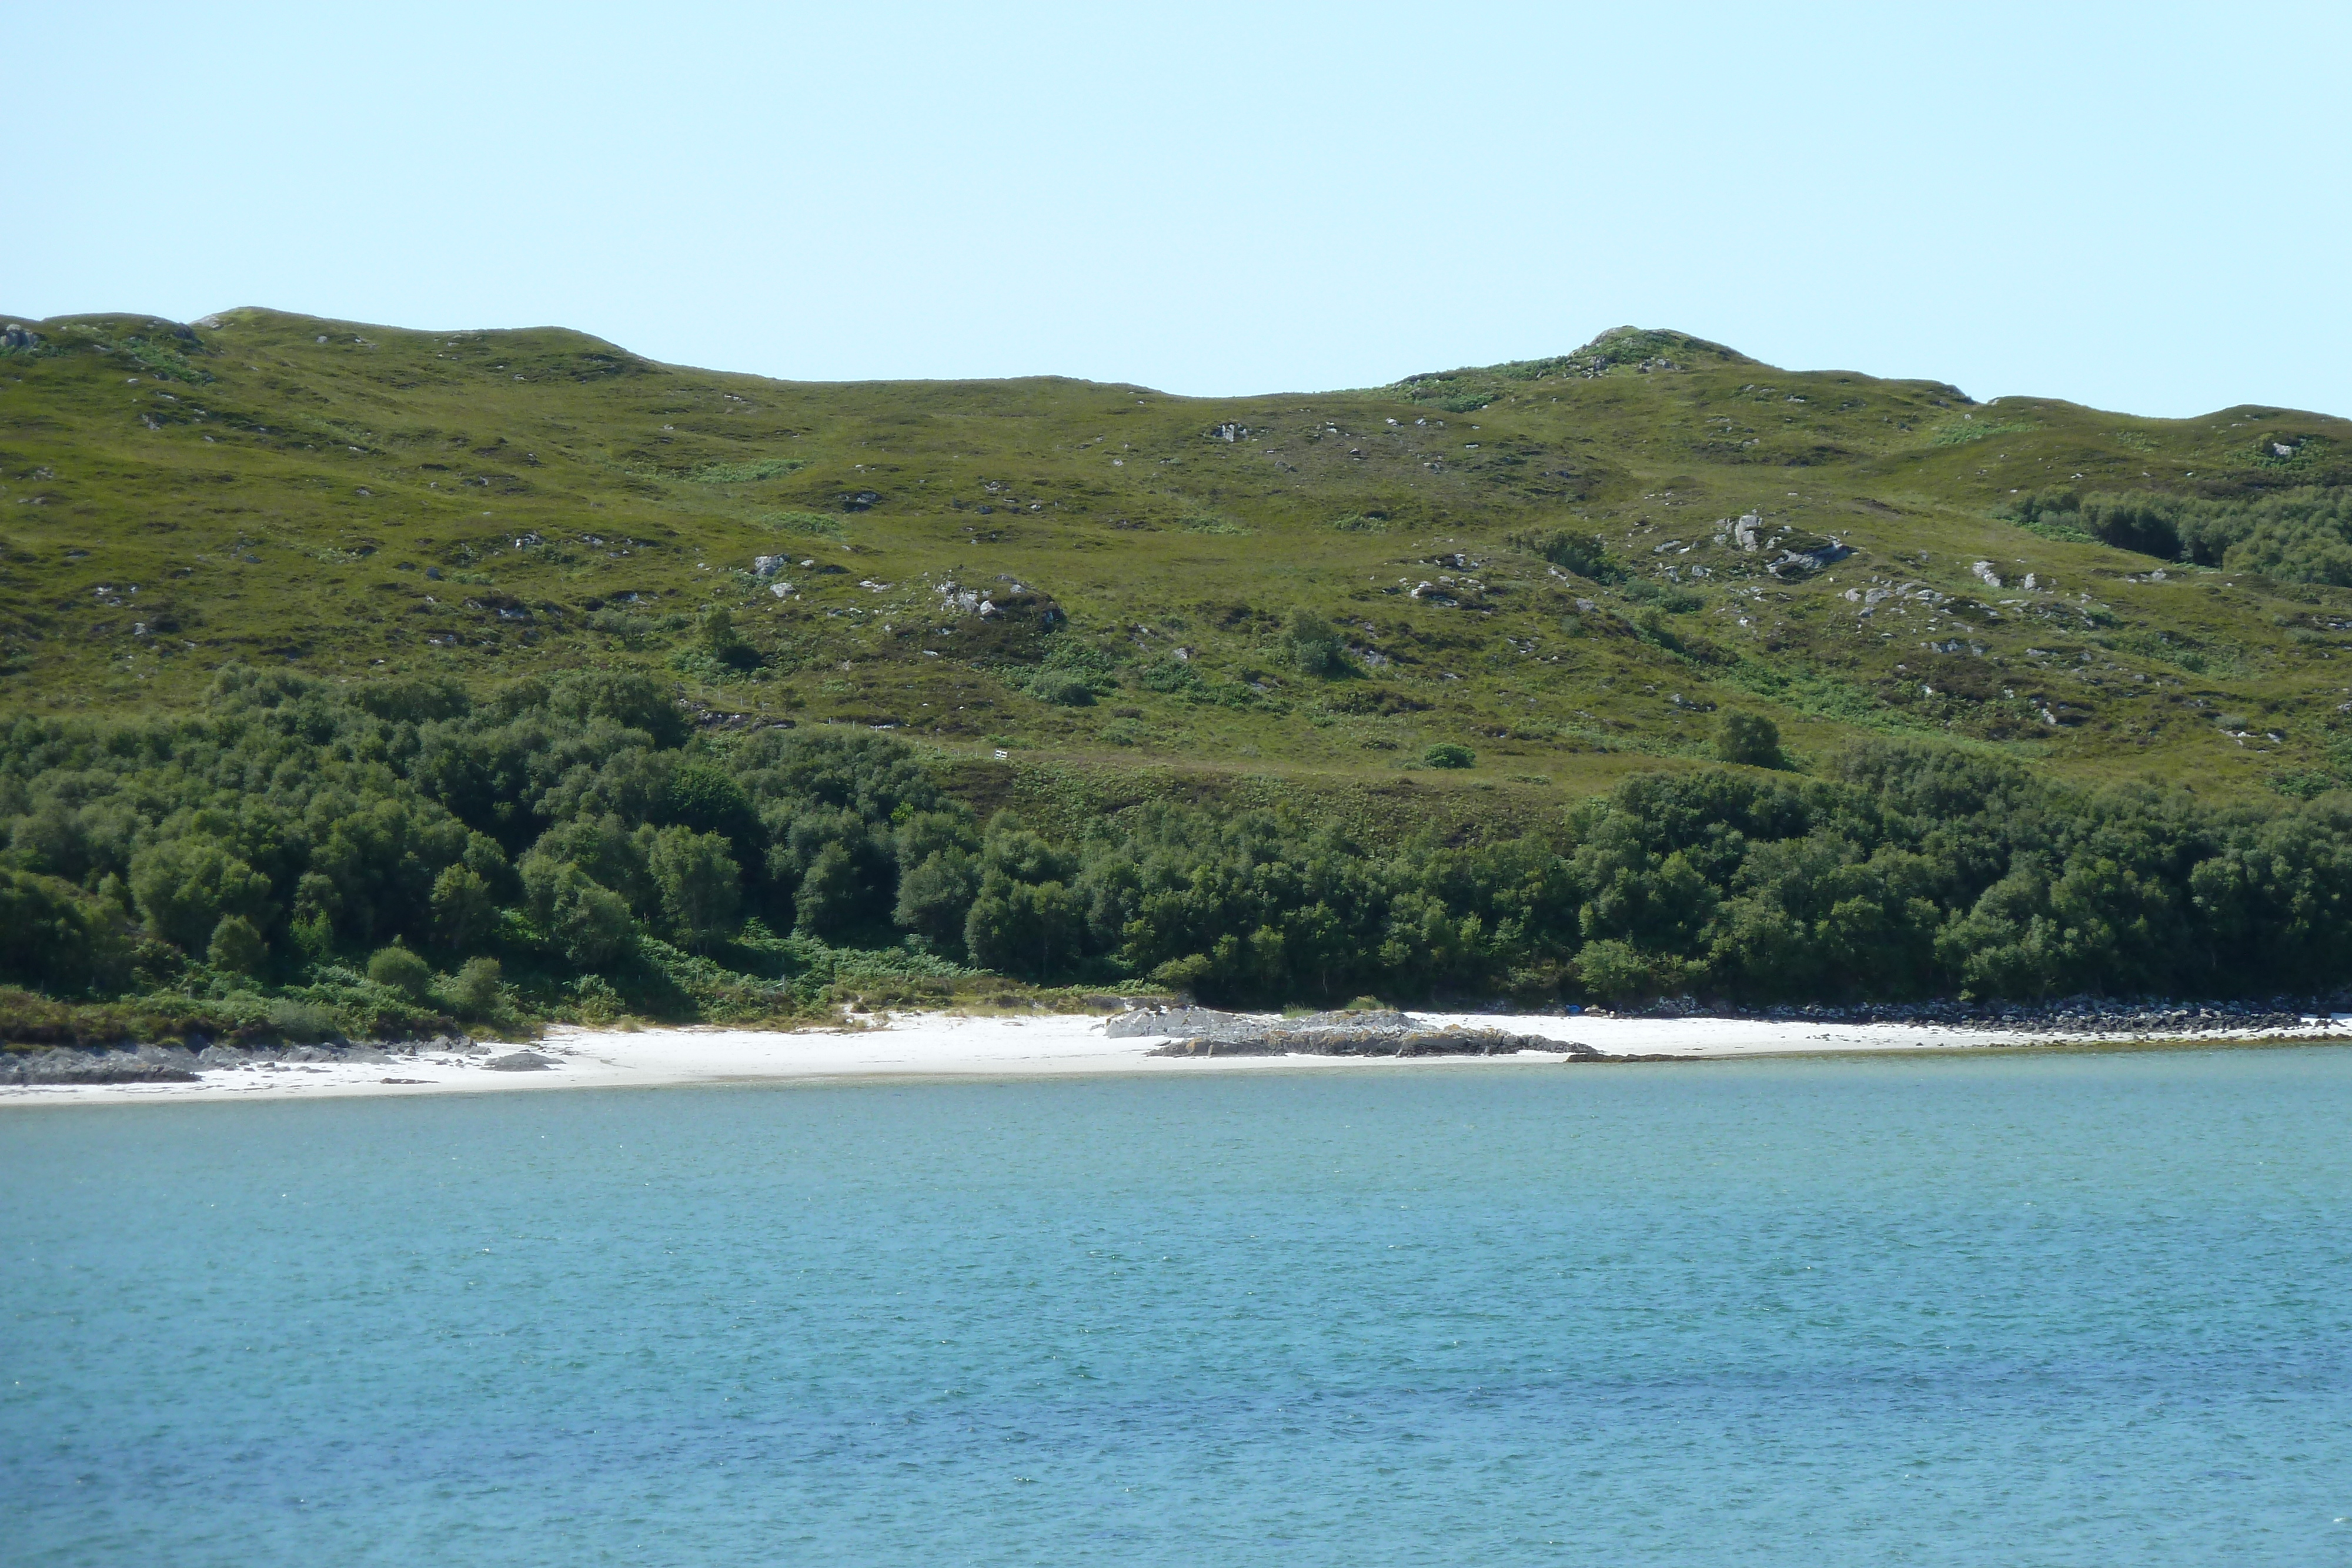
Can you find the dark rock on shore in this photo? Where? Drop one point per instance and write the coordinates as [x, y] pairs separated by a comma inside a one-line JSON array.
[[144, 1065], [1381, 1033], [66, 1064], [1350, 1039]]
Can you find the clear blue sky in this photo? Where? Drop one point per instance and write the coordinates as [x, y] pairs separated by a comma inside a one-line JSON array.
[[2139, 207]]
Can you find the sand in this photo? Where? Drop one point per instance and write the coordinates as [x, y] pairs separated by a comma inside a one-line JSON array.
[[939, 1046]]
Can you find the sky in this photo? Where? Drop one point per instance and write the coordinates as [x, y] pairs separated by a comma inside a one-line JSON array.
[[2140, 207]]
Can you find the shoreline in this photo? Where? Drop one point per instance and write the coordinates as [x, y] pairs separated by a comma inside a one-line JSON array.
[[911, 1046]]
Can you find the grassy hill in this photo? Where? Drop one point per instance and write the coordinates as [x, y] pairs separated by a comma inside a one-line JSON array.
[[1264, 593], [359, 681]]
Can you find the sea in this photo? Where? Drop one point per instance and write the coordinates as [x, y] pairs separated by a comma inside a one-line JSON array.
[[2018, 1309]]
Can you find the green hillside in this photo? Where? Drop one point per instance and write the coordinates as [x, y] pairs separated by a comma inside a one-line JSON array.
[[275, 489], [360, 681]]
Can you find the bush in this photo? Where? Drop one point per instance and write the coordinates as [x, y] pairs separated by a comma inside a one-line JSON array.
[[1036, 930], [936, 895], [397, 968], [53, 937], [1611, 970], [464, 912], [701, 886], [1313, 645], [598, 1001], [1446, 753], [185, 885], [476, 992], [304, 1023], [1750, 739], [723, 644], [1063, 688], [237, 948], [1583, 554]]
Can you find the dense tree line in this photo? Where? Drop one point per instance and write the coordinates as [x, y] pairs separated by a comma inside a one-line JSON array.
[[412, 838], [2301, 535]]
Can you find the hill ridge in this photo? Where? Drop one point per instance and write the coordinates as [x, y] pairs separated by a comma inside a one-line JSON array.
[[273, 498]]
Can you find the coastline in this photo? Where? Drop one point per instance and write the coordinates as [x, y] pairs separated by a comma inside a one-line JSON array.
[[911, 1046]]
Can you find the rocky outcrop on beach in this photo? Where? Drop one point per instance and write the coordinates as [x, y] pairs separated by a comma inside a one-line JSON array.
[[1390, 1034], [65, 1064], [1143, 1022]]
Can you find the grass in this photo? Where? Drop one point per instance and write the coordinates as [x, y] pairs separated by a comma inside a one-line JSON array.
[[750, 473], [489, 506]]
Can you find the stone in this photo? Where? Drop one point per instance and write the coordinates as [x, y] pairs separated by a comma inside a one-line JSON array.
[[1145, 1021], [68, 1064], [520, 1062]]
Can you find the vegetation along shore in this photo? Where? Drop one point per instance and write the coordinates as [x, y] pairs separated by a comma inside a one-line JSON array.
[[375, 686]]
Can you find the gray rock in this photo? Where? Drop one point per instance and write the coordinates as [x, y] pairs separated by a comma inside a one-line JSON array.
[[66, 1064], [1356, 1039], [1146, 1022], [520, 1062]]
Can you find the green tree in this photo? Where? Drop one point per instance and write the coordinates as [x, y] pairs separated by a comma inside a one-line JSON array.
[[237, 948], [185, 885], [831, 896], [588, 923], [723, 642], [935, 896], [476, 990], [464, 913], [1033, 929], [54, 940], [1446, 753], [400, 970], [701, 886], [1584, 554], [1750, 739]]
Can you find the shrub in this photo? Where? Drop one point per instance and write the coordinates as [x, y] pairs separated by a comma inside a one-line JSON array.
[[1611, 970], [53, 937], [1583, 554], [463, 909], [723, 644], [237, 948], [475, 991], [1062, 687], [750, 473], [598, 1001], [935, 895], [700, 884], [185, 885], [1447, 754], [1750, 739], [305, 1023], [1036, 930], [1313, 645], [397, 968]]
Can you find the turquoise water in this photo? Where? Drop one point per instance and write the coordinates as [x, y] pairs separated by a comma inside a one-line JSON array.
[[2074, 1310]]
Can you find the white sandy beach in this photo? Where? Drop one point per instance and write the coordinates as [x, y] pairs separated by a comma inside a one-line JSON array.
[[936, 1045]]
